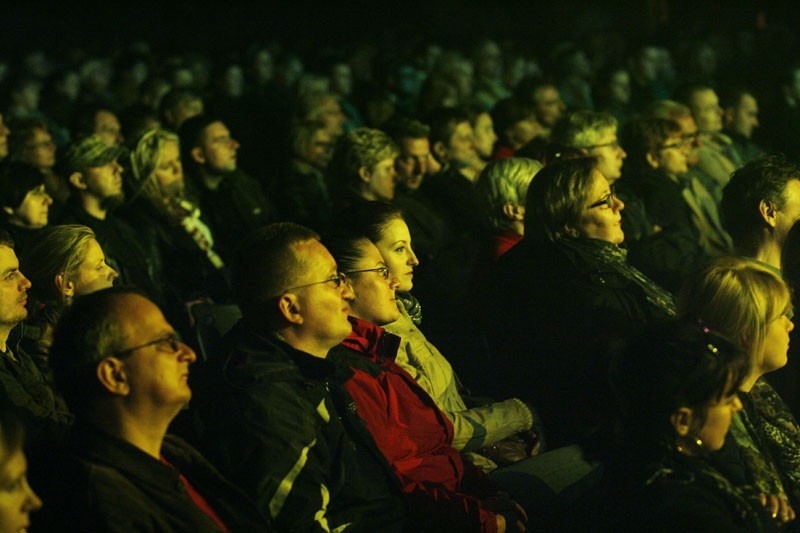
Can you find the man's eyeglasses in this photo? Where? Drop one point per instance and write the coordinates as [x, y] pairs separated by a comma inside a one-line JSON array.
[[337, 281], [607, 201], [172, 340], [383, 271], [613, 144]]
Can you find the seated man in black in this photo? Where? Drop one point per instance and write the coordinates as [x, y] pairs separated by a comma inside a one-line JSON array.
[[124, 372], [231, 201], [271, 410], [95, 177], [22, 386]]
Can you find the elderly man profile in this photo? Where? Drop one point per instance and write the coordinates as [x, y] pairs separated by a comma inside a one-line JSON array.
[[124, 372], [271, 410]]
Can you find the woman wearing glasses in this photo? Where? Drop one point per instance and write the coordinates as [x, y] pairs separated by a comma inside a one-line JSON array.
[[414, 435], [480, 427], [680, 207], [562, 296]]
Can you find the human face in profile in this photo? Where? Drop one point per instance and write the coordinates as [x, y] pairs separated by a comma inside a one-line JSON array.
[[395, 248], [17, 499], [601, 218], [374, 287]]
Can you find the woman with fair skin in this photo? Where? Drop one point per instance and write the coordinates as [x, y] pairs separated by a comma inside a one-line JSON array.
[[562, 295], [750, 303], [410, 430], [62, 262], [676, 398], [477, 427], [17, 499], [173, 225]]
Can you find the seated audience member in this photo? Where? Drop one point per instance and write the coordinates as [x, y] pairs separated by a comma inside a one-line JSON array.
[[515, 125], [18, 498], [62, 262], [483, 130], [685, 212], [124, 372], [612, 93], [503, 186], [474, 428], [136, 120], [592, 134], [744, 300], [680, 114], [561, 295], [177, 106], [760, 205], [30, 142], [322, 106], [781, 130], [717, 156], [676, 394], [95, 176], [740, 119], [453, 145], [362, 167], [174, 225], [22, 386], [413, 165], [303, 193], [270, 408], [232, 202], [98, 120], [26, 204], [543, 98], [409, 429]]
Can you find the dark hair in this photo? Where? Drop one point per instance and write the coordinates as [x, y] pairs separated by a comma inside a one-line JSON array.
[[673, 365], [731, 95], [642, 136], [686, 92], [173, 99], [369, 219], [508, 112], [400, 128], [87, 332], [85, 118], [21, 131], [764, 178], [12, 435], [443, 122], [790, 260], [346, 248], [16, 181], [556, 198], [6, 239], [265, 265], [192, 133]]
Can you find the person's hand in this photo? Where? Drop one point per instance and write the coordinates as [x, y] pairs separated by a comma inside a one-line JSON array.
[[778, 507], [501, 523], [513, 515]]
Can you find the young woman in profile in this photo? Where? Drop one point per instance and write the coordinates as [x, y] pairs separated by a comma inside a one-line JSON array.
[[676, 391]]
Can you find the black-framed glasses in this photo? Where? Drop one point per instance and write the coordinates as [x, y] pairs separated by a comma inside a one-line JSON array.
[[382, 270], [172, 340], [337, 281], [607, 201]]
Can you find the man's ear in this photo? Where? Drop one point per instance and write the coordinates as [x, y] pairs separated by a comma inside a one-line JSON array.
[[289, 307], [440, 151], [728, 115], [8, 211], [514, 211], [77, 180], [572, 232], [65, 286], [682, 420], [769, 212], [113, 376], [198, 155], [364, 174], [652, 160]]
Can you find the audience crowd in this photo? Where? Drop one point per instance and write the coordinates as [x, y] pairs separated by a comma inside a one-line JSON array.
[[358, 290]]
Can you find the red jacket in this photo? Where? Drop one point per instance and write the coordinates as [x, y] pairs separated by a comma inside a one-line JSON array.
[[415, 436]]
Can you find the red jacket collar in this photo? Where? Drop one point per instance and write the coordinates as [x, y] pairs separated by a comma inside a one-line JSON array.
[[369, 338]]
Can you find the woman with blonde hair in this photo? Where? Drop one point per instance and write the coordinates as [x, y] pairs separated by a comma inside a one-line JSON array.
[[751, 304], [172, 223]]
